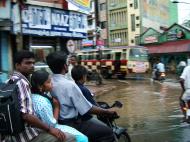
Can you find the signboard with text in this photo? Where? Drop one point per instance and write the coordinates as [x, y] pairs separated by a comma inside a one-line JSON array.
[[46, 21], [150, 39], [175, 34]]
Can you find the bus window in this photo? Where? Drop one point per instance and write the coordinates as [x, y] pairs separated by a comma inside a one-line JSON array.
[[106, 55], [138, 54], [123, 55], [80, 57], [117, 55]]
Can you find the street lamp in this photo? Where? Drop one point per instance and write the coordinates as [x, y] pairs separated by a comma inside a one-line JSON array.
[[180, 2]]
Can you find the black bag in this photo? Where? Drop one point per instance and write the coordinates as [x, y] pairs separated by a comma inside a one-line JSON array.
[[10, 116]]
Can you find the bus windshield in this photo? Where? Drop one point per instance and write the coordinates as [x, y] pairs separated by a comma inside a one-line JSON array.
[[138, 54]]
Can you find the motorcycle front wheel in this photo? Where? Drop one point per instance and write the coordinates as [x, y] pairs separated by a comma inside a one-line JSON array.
[[124, 137]]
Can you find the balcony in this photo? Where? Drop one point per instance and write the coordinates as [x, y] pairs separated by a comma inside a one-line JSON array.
[[117, 26]]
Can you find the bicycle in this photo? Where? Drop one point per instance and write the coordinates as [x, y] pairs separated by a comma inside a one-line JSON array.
[[120, 133]]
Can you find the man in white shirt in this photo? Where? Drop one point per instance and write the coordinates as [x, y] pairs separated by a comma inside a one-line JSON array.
[[73, 103], [72, 61], [185, 85], [160, 67]]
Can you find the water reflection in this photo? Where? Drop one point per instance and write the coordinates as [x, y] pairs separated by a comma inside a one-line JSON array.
[[150, 112]]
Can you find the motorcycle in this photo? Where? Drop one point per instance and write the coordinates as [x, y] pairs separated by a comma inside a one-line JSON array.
[[120, 133], [160, 76]]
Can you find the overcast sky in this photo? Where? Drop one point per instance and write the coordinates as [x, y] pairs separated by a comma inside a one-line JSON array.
[[184, 10]]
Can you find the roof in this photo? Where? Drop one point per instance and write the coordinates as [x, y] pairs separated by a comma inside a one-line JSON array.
[[170, 47]]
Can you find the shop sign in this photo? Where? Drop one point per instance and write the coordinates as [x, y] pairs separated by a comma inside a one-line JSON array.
[[150, 39], [46, 21], [87, 43], [83, 4], [175, 34]]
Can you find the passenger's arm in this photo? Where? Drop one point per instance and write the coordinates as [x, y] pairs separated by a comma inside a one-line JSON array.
[[100, 111], [36, 122], [181, 81], [56, 108]]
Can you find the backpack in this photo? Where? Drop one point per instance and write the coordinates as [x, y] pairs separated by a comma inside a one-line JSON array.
[[10, 116]]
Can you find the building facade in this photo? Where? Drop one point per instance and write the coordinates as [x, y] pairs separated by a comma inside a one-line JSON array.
[[171, 46], [41, 26], [127, 19], [5, 39], [90, 41]]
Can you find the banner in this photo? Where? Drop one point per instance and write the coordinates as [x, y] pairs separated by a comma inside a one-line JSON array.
[[45, 21], [83, 4]]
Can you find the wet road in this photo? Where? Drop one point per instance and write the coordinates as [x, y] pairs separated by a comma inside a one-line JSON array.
[[150, 111]]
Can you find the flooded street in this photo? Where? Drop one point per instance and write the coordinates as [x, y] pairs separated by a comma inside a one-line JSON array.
[[150, 111]]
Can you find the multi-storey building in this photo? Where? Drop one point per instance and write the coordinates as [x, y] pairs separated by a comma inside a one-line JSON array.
[[92, 29], [127, 19], [97, 25], [102, 21]]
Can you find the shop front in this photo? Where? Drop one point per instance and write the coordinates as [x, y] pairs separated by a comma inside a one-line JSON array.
[[171, 46], [46, 29]]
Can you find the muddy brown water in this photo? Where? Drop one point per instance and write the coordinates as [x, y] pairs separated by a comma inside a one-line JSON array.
[[150, 111]]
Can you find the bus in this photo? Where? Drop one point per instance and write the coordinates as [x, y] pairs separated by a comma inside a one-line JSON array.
[[115, 61]]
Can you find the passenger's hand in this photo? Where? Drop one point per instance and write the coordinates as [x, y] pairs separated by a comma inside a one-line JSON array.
[[58, 134]]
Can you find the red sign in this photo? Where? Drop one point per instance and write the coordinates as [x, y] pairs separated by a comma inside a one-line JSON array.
[[100, 42]]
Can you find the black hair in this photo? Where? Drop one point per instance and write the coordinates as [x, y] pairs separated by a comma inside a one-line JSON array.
[[56, 61], [73, 56], [38, 78], [23, 54], [78, 72]]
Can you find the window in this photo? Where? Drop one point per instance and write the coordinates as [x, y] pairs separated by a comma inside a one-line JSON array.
[[131, 5], [91, 4], [102, 6], [132, 22], [90, 22], [137, 17], [103, 25], [135, 4]]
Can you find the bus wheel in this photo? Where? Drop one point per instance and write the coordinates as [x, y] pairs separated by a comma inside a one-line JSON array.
[[105, 74]]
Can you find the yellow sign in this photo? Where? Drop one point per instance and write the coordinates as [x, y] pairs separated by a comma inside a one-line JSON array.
[[84, 4]]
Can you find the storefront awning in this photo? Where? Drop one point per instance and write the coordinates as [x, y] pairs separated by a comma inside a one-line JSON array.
[[170, 47]]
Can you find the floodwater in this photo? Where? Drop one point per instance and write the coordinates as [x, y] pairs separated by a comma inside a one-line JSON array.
[[150, 111]]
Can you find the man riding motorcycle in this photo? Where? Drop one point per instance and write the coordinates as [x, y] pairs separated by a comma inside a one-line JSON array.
[[185, 95], [160, 71]]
